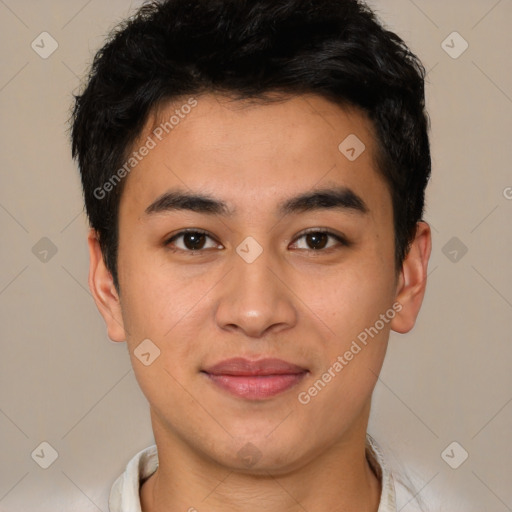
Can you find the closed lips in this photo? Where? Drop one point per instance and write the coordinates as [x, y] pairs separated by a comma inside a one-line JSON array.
[[262, 367]]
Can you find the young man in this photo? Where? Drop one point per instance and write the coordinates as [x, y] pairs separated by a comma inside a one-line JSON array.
[[254, 175]]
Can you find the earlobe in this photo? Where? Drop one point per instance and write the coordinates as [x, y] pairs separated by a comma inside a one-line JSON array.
[[103, 290], [413, 279]]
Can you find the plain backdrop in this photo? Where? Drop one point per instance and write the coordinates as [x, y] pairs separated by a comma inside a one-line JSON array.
[[62, 381]]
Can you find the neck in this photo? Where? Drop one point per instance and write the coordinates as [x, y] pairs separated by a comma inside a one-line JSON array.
[[339, 478]]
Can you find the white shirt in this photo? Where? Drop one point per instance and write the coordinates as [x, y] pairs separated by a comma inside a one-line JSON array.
[[125, 497]]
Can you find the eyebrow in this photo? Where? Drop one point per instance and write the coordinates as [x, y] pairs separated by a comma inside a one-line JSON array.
[[338, 198]]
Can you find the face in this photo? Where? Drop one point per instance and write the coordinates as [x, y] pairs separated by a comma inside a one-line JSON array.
[[287, 254]]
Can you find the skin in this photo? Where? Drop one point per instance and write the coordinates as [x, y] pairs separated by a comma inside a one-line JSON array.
[[292, 302]]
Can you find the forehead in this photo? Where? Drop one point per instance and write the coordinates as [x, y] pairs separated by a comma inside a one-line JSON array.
[[254, 153]]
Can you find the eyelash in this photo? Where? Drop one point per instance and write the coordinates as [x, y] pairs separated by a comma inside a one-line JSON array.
[[340, 239]]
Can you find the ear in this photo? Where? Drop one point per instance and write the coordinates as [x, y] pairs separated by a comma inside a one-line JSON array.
[[103, 290], [413, 280]]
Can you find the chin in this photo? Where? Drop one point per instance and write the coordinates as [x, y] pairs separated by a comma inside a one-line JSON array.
[[258, 455]]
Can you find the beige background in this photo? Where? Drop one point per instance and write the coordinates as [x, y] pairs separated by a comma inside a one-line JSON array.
[[62, 381]]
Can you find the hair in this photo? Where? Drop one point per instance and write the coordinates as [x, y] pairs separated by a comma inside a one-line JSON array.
[[252, 49]]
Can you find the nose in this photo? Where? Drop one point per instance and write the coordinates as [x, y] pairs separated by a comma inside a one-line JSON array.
[[255, 298]]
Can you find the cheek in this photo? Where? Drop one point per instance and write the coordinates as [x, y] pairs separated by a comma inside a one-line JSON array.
[[164, 309], [164, 306], [353, 350], [146, 292], [349, 298]]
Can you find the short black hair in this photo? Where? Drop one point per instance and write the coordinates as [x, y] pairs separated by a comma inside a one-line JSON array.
[[252, 49]]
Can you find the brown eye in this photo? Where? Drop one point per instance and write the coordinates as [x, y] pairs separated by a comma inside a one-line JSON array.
[[317, 240], [189, 241], [194, 241]]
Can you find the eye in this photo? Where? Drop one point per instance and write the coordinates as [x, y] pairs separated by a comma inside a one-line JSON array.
[[196, 240], [192, 240], [318, 240]]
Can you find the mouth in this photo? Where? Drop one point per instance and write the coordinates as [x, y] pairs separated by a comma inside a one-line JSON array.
[[255, 380]]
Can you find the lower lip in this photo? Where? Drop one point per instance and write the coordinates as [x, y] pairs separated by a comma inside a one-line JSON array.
[[256, 387]]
